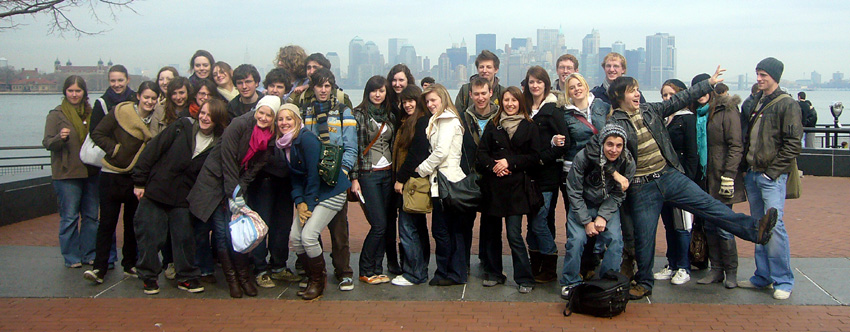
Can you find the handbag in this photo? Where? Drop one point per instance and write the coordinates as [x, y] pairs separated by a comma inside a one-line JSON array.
[[330, 158], [463, 196], [698, 250], [416, 196], [90, 153], [793, 187], [247, 229], [535, 196], [601, 297]]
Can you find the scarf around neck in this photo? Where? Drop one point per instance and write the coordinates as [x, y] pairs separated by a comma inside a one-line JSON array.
[[194, 109], [285, 141], [702, 135], [79, 117], [510, 123], [379, 114], [115, 99], [259, 142]]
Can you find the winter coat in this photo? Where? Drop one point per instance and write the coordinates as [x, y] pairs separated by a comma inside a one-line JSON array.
[[683, 135], [123, 136], [550, 121], [416, 153], [236, 107], [601, 92], [725, 148], [508, 195], [166, 169], [580, 133], [462, 101], [779, 135], [654, 115], [307, 186], [158, 120], [445, 135], [809, 116], [222, 171], [591, 184], [65, 160]]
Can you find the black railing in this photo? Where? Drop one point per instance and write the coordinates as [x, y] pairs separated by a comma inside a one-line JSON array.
[[18, 159], [829, 137]]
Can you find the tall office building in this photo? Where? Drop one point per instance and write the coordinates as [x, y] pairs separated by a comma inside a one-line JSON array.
[[517, 43], [485, 41], [589, 56], [660, 59], [393, 47], [816, 78], [636, 63], [333, 57], [407, 56], [356, 57], [547, 41], [618, 47], [457, 55]]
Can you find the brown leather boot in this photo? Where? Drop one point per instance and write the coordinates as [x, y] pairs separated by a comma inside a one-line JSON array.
[[229, 274], [306, 267], [318, 277], [548, 265], [244, 274]]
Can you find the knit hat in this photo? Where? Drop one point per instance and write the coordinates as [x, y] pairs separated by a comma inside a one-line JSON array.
[[292, 108], [772, 67], [269, 101], [613, 130], [700, 78], [677, 83]]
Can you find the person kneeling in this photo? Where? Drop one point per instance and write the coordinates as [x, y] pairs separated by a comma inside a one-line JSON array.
[[595, 196]]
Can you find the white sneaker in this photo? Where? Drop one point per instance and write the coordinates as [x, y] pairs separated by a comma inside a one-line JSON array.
[[170, 274], [681, 277], [265, 281], [781, 294], [401, 281], [665, 274]]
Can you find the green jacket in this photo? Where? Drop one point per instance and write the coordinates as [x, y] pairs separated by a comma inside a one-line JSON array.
[[462, 99], [779, 135]]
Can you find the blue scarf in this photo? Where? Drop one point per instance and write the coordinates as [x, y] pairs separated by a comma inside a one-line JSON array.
[[702, 136]]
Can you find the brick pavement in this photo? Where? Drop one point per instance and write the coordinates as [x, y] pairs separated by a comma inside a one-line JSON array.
[[282, 315], [816, 223]]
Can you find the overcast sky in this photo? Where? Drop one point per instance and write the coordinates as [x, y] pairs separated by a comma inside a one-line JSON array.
[[805, 35]]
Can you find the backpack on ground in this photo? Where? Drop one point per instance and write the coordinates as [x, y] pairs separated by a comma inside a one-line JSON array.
[[603, 297]]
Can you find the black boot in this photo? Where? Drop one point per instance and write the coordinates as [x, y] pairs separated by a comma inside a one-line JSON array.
[[535, 258], [229, 274], [714, 257], [729, 255]]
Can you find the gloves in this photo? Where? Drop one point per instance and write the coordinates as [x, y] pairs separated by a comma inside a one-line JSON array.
[[236, 204], [303, 212], [727, 187]]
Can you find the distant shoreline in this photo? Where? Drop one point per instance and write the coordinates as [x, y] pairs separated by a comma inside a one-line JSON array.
[[43, 93]]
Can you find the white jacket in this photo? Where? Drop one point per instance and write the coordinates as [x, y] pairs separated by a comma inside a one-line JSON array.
[[445, 133]]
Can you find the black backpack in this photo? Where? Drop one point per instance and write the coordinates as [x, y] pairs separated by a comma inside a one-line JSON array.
[[603, 297]]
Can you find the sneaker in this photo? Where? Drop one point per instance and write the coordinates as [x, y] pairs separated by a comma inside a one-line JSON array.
[[682, 276], [781, 294], [765, 226], [523, 289], [346, 284], [665, 274], [131, 272], [748, 284], [75, 266], [490, 283], [303, 283], [401, 281], [94, 276], [151, 287], [565, 292], [372, 280], [285, 275], [638, 292], [264, 280], [170, 274], [191, 286]]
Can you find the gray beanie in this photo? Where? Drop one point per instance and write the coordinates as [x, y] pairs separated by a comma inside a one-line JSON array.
[[772, 67], [613, 130]]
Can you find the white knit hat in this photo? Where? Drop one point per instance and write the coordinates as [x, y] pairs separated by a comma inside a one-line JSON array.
[[269, 101]]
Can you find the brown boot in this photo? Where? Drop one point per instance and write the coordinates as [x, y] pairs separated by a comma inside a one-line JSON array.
[[244, 274], [627, 267], [306, 269], [229, 274], [729, 254], [548, 265], [318, 277]]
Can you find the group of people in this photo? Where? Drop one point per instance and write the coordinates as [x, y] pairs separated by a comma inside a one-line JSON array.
[[182, 156]]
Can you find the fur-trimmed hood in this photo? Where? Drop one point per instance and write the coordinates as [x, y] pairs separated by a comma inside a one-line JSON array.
[[727, 101]]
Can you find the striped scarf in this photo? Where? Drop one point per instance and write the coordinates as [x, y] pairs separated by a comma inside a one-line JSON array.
[[322, 109]]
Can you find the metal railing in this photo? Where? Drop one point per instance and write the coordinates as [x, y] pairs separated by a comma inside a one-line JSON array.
[[829, 137], [14, 162]]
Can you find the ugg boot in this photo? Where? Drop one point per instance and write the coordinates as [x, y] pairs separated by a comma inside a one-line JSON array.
[[729, 254], [244, 274], [714, 257], [548, 265], [229, 274], [318, 277], [534, 257]]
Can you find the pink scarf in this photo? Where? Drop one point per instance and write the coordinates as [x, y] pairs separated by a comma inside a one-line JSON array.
[[285, 142], [259, 142]]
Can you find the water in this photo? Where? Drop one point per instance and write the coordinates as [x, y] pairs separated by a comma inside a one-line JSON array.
[[22, 116]]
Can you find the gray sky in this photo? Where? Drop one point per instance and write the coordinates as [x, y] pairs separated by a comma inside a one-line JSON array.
[[805, 35]]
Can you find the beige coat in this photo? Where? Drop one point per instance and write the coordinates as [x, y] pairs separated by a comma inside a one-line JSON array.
[[65, 160], [445, 133]]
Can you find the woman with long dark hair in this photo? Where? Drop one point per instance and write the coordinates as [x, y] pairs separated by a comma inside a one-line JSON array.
[[65, 130], [180, 93], [205, 90], [509, 150], [398, 78], [200, 66]]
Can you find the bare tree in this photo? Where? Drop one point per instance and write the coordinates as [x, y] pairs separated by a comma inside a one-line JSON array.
[[57, 11]]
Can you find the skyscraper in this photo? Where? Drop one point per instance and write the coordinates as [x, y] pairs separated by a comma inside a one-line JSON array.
[[407, 56], [457, 55], [393, 47], [547, 41], [619, 47], [485, 41], [816, 78], [517, 43], [590, 55], [333, 57], [660, 59], [356, 57]]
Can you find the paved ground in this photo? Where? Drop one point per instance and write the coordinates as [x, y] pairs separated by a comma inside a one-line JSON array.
[[37, 293]]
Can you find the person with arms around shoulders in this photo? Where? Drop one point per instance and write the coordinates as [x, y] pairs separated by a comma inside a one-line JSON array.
[[614, 65], [487, 65], [313, 63]]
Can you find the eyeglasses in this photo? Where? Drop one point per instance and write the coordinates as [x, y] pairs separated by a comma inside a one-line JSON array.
[[203, 94]]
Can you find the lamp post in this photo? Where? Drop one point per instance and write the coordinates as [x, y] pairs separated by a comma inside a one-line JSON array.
[[836, 108]]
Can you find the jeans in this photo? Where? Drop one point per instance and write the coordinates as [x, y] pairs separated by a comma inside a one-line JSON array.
[[540, 238], [773, 260], [448, 229], [116, 190], [377, 188], [678, 240], [220, 222], [411, 228], [647, 199], [491, 249], [271, 198], [203, 248], [153, 221], [78, 207], [611, 239], [340, 250], [305, 240]]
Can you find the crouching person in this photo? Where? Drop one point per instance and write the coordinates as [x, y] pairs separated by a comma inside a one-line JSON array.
[[595, 196], [163, 177]]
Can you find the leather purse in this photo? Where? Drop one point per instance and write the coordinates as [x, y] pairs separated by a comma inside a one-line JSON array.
[[416, 196], [330, 159], [463, 196]]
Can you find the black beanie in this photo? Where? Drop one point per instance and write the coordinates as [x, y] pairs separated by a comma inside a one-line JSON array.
[[677, 83], [700, 78], [772, 67]]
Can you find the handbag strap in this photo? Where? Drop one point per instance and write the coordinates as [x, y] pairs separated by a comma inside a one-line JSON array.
[[586, 123], [380, 131]]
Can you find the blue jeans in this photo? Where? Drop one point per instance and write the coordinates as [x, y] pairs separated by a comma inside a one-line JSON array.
[[773, 260], [491, 249], [611, 238], [647, 199], [203, 249], [220, 221], [377, 188], [539, 237], [448, 227], [678, 240], [411, 227], [152, 222], [271, 198], [78, 204]]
